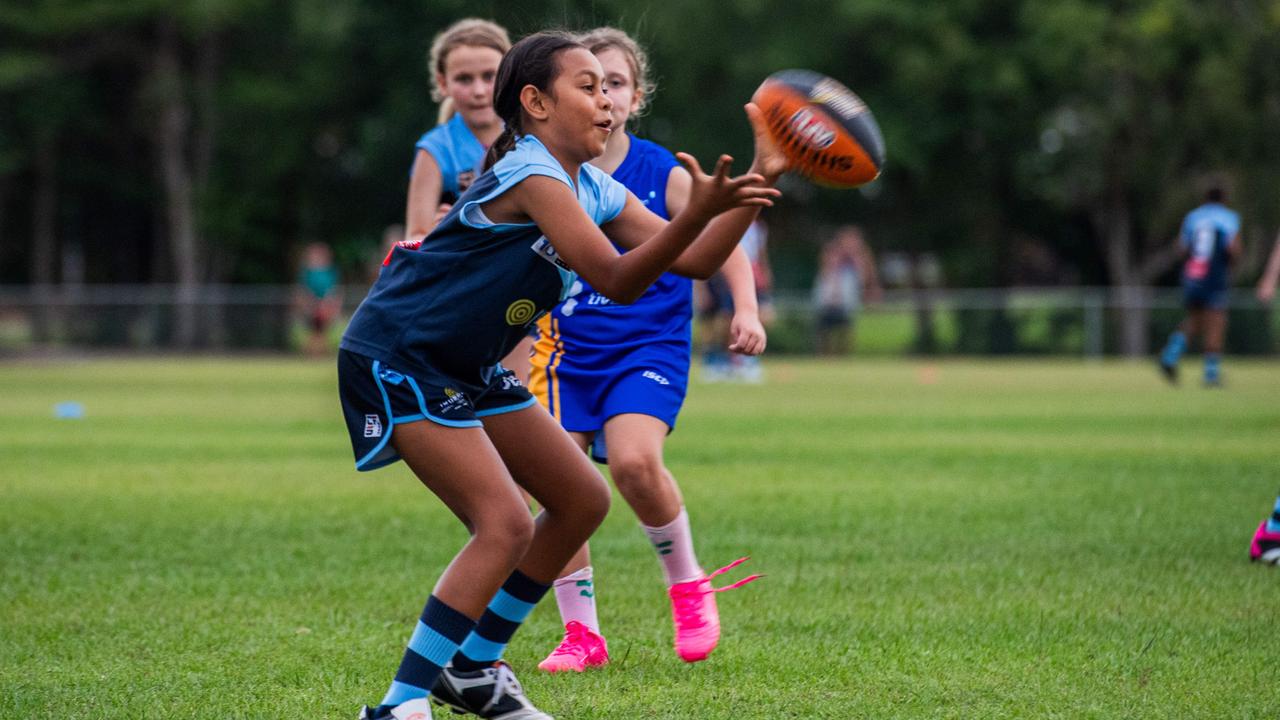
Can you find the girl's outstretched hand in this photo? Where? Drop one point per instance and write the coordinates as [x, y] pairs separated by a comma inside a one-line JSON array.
[[770, 161], [710, 195]]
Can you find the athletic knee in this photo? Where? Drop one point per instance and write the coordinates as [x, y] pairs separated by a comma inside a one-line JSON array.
[[595, 501], [507, 532], [638, 474]]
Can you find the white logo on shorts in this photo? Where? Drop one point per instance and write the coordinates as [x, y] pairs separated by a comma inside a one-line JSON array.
[[372, 426], [655, 377]]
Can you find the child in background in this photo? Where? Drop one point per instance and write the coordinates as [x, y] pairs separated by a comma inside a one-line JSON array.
[[464, 62], [615, 377], [1211, 240], [319, 296]]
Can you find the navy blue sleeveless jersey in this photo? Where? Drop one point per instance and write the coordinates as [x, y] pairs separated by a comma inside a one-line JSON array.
[[463, 299]]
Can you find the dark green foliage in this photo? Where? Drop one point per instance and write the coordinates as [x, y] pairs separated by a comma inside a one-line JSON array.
[[1083, 125]]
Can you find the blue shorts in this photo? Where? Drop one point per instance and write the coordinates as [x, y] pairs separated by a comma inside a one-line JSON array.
[[1198, 297], [376, 398], [650, 381]]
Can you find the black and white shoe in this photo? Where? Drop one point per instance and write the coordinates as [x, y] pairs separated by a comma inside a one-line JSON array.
[[418, 709], [492, 693]]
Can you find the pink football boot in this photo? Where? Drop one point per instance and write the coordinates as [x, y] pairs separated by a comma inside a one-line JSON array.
[[580, 649], [693, 609], [1265, 546]]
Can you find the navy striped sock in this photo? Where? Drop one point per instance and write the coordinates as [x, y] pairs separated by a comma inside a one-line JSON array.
[[436, 638], [500, 620]]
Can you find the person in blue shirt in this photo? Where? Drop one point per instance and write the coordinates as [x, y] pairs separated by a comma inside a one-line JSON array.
[[615, 376], [464, 62], [1210, 239], [419, 375]]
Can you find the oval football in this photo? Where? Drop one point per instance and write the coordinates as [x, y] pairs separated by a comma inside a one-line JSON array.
[[823, 127]]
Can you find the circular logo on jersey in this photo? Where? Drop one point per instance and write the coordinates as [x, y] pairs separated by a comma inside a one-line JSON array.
[[521, 312]]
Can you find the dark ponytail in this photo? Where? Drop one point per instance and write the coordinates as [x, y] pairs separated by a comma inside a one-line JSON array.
[[532, 61]]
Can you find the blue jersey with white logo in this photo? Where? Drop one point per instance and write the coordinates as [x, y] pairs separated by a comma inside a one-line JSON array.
[[1206, 233], [465, 297], [458, 154], [588, 324]]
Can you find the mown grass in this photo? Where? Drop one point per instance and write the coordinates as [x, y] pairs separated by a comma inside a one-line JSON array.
[[969, 539]]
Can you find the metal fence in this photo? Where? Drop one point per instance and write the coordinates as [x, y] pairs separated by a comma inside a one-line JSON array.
[[1088, 322]]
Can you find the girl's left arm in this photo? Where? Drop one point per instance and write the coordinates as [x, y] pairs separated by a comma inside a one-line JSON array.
[[746, 332]]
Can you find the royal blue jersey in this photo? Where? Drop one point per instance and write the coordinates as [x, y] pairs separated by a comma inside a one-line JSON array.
[[458, 154], [588, 323], [460, 301], [1206, 233]]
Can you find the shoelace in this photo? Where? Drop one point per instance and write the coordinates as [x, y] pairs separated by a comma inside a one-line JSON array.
[[727, 568], [504, 678], [690, 604]]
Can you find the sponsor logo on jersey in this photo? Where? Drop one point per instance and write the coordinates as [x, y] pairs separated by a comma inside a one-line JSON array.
[[521, 312], [372, 426], [651, 375], [545, 251]]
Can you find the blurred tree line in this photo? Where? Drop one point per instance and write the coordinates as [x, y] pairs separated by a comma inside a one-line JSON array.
[[206, 142]]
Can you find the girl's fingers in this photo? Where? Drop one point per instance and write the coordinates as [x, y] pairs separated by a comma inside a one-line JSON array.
[[756, 117], [691, 164], [748, 179], [722, 167]]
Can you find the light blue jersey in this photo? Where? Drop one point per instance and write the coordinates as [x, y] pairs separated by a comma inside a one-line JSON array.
[[458, 154], [1207, 231]]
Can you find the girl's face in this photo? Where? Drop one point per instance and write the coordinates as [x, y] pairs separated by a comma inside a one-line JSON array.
[[468, 77], [580, 118], [620, 83]]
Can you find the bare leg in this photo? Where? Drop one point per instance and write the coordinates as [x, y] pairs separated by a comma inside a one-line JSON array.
[[1192, 325], [1214, 327], [545, 461], [461, 466], [635, 461], [582, 558]]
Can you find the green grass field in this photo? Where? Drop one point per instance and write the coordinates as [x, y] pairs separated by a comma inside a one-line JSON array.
[[972, 539]]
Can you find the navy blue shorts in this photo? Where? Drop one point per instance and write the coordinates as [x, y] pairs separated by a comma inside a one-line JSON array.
[[1195, 297], [376, 398]]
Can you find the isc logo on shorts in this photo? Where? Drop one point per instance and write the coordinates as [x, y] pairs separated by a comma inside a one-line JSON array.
[[655, 377], [372, 426]]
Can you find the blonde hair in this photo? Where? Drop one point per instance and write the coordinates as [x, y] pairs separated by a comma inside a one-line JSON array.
[[611, 38], [468, 32]]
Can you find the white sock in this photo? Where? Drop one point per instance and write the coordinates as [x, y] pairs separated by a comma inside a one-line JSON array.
[[674, 545], [576, 598]]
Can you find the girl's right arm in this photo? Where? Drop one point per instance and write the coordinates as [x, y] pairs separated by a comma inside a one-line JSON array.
[[425, 186]]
